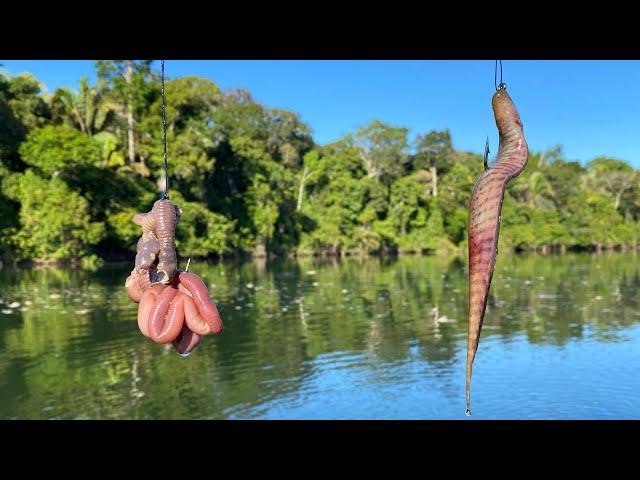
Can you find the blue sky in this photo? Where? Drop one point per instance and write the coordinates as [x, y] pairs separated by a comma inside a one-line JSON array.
[[590, 107]]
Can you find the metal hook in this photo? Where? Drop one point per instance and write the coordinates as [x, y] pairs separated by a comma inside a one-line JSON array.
[[486, 154], [501, 85]]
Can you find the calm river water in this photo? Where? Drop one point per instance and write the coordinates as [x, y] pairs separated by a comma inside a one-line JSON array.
[[339, 339]]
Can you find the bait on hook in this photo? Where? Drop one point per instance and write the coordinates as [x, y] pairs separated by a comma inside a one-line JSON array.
[[484, 214], [174, 306]]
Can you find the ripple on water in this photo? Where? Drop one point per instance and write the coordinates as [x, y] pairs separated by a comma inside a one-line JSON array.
[[370, 343]]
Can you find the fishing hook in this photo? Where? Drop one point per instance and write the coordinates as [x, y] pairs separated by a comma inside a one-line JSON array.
[[486, 154], [501, 85]]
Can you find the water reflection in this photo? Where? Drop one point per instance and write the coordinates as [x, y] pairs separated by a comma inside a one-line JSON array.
[[358, 338]]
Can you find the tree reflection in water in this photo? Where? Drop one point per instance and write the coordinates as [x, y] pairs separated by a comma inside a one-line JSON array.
[[71, 349]]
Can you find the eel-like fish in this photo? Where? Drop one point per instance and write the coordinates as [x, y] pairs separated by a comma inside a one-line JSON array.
[[484, 216]]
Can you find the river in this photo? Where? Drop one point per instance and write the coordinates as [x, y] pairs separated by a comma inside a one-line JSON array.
[[362, 338]]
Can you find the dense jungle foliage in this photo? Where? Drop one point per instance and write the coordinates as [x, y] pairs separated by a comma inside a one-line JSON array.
[[76, 164]]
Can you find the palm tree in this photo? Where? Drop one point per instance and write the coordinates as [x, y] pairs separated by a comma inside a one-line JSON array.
[[88, 110]]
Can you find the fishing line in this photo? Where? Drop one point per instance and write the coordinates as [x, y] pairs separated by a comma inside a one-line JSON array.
[[165, 196], [499, 86]]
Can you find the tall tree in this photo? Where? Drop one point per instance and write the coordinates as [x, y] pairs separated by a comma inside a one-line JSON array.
[[22, 107], [433, 153], [382, 149], [312, 165], [129, 81]]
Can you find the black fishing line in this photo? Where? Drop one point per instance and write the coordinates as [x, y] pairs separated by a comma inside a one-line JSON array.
[[165, 196]]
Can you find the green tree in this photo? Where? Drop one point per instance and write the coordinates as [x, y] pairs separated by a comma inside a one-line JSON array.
[[54, 221], [251, 179], [382, 149], [406, 194], [21, 108], [88, 110], [433, 153], [128, 82], [54, 148], [611, 177]]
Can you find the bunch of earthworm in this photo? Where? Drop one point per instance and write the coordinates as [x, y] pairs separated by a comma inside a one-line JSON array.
[[174, 306], [484, 216]]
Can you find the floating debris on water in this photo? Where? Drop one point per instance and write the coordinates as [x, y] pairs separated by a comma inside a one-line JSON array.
[[7, 311], [238, 307], [311, 272], [28, 302], [315, 284], [54, 295], [445, 319], [249, 285], [14, 304], [83, 311]]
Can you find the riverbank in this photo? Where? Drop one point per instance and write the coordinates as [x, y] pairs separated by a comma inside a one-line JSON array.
[[93, 262]]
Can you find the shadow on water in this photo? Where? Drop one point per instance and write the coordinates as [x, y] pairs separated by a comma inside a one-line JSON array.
[[309, 338]]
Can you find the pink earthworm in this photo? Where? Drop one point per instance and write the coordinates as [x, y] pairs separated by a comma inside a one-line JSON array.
[[166, 216], [147, 303], [192, 317], [484, 217], [134, 289], [165, 318], [137, 283], [174, 306], [146, 220], [207, 310], [186, 341], [147, 251]]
